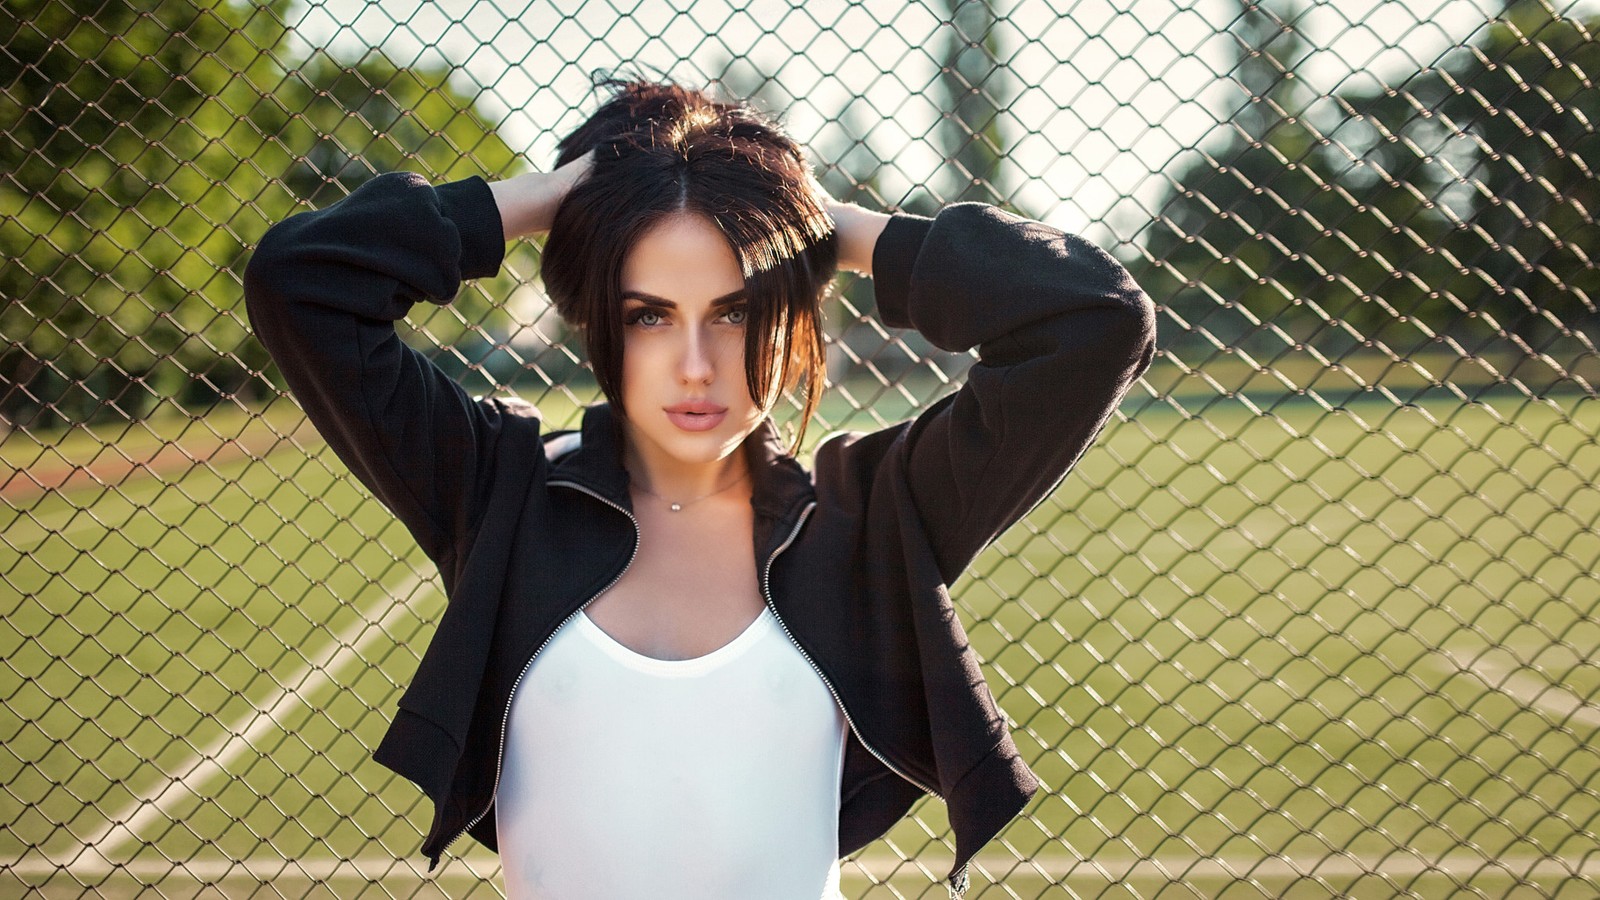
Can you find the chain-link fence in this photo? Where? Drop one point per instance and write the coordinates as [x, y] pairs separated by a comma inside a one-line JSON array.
[[1317, 616]]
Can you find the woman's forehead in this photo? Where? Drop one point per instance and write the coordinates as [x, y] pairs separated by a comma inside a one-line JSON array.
[[683, 259]]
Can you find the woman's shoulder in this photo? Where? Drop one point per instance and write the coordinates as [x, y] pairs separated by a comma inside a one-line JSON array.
[[560, 443], [852, 456]]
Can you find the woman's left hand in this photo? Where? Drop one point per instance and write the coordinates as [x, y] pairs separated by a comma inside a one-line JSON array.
[[857, 229], [529, 201]]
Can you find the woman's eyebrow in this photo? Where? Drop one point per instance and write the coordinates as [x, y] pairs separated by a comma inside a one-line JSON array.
[[727, 299]]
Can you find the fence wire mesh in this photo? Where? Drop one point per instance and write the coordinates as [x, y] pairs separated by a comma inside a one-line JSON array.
[[1317, 616]]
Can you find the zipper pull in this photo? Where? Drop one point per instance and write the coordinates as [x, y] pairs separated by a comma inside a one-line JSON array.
[[959, 883]]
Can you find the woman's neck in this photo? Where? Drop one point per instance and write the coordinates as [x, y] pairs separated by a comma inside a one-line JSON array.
[[682, 481]]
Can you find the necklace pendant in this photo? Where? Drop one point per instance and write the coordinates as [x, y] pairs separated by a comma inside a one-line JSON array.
[[676, 506]]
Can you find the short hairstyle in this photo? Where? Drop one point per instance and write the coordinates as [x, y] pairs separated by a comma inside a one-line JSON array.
[[662, 149]]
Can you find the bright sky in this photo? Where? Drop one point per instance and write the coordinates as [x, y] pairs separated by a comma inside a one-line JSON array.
[[1110, 93]]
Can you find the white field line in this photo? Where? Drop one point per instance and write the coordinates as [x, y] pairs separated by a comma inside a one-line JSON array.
[[101, 849], [878, 866], [1500, 671]]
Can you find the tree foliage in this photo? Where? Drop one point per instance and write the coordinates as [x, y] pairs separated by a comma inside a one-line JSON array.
[[977, 88], [1523, 105], [1453, 207], [146, 148]]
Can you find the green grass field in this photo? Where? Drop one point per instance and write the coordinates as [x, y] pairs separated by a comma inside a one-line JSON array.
[[1296, 652]]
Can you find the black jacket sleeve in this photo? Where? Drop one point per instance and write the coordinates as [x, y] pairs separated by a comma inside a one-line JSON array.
[[323, 290], [1062, 333]]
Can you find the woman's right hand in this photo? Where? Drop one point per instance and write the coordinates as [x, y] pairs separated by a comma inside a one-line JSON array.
[[528, 202]]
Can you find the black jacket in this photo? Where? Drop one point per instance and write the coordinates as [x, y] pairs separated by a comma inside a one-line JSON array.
[[854, 560]]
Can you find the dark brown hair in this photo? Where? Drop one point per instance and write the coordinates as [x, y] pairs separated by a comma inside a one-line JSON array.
[[662, 149]]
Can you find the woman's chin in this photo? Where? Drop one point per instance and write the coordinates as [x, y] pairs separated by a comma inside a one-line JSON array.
[[692, 447]]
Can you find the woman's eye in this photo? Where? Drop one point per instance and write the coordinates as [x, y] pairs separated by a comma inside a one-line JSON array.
[[639, 317], [738, 316]]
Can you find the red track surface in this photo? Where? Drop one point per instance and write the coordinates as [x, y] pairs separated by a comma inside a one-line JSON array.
[[113, 466]]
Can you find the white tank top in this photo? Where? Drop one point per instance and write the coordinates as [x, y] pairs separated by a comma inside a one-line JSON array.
[[629, 777]]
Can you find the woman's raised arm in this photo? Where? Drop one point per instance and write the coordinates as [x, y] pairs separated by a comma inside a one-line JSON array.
[[528, 202], [1062, 332], [857, 230], [323, 291]]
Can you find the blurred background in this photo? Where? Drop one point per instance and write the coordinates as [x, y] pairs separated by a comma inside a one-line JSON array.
[[1317, 616]]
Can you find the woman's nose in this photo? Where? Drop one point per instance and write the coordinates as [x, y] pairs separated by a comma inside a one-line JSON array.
[[698, 362]]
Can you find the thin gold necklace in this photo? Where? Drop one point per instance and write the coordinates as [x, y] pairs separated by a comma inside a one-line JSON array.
[[677, 507]]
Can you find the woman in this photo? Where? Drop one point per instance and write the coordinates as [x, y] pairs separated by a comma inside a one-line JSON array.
[[675, 663]]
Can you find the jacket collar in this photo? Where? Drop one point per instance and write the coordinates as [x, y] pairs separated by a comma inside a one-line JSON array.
[[778, 482]]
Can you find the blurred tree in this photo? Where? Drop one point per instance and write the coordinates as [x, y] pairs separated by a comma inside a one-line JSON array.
[[1234, 245], [978, 89], [145, 148], [102, 142], [1452, 206], [1522, 107]]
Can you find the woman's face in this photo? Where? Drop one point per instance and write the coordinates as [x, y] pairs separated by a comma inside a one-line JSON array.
[[683, 380]]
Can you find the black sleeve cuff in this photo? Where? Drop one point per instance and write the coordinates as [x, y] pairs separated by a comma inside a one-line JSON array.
[[470, 205], [893, 258]]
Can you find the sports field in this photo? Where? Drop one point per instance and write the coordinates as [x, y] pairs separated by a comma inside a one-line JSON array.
[[1255, 652]]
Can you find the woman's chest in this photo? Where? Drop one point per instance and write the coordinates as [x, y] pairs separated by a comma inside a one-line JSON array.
[[687, 592]]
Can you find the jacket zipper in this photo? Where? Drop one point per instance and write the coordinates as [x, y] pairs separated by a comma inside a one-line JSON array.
[[958, 884], [766, 593], [505, 720]]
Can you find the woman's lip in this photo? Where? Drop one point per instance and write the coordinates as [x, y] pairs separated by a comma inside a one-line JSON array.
[[696, 422], [696, 406]]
